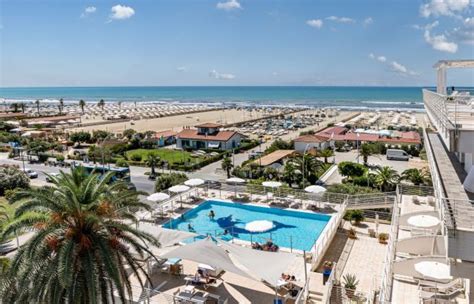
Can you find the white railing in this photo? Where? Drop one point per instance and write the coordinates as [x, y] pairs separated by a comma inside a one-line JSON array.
[[387, 275], [330, 284], [324, 240]]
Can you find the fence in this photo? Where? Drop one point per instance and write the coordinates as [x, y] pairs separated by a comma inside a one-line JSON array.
[[154, 296], [330, 284], [387, 275]]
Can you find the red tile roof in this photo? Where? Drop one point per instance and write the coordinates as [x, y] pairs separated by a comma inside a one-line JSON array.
[[165, 134], [208, 125], [336, 130], [312, 138], [193, 134]]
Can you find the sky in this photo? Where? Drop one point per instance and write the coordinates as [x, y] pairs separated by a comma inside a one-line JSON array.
[[233, 42]]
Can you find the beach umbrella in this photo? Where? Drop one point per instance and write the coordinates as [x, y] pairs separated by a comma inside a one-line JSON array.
[[179, 189], [435, 270], [315, 189], [259, 226], [423, 221]]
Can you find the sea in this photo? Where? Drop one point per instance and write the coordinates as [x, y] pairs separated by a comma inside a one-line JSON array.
[[388, 98]]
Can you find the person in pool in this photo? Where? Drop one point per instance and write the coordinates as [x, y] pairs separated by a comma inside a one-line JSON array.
[[211, 214], [190, 227]]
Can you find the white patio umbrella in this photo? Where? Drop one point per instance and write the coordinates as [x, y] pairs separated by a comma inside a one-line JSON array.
[[271, 184], [259, 226], [423, 221], [235, 181], [158, 197], [315, 189], [193, 182], [179, 189], [435, 270]]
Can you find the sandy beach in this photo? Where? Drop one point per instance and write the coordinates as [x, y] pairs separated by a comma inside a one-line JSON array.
[[177, 122]]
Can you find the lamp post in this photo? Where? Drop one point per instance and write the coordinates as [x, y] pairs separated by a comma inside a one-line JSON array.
[[302, 169], [357, 142]]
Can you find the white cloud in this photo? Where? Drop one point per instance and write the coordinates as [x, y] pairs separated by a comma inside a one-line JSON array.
[[368, 21], [340, 19], [88, 10], [465, 33], [182, 69], [222, 76], [229, 5], [440, 43], [121, 12], [317, 23], [443, 7], [394, 66]]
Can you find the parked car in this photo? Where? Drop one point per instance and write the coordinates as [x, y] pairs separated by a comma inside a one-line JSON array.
[[30, 173], [48, 178], [397, 154]]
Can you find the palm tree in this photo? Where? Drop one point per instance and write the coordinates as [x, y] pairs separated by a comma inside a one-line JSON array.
[[82, 104], [416, 176], [227, 165], [15, 106], [61, 106], [81, 248], [101, 104], [4, 261], [386, 178], [290, 173], [37, 103], [326, 153], [365, 151], [152, 161]]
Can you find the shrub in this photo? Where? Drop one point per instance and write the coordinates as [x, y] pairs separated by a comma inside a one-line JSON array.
[[351, 169], [350, 189], [60, 158], [11, 178], [383, 237], [80, 136], [354, 216], [120, 162], [168, 180], [136, 157]]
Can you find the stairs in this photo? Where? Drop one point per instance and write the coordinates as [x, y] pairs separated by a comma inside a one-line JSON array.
[[315, 297]]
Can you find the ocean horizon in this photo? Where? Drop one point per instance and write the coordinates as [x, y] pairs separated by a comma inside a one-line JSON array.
[[357, 97]]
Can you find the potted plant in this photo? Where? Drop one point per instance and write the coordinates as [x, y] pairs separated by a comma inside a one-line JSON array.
[[350, 284], [351, 233], [383, 237], [357, 216]]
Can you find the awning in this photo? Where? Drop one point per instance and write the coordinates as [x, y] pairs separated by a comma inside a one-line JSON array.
[[166, 237], [262, 265], [207, 252], [213, 145]]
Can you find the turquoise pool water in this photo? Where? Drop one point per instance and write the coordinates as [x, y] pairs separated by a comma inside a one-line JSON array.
[[292, 229]]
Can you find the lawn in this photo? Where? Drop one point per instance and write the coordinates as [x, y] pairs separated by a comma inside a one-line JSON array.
[[169, 155]]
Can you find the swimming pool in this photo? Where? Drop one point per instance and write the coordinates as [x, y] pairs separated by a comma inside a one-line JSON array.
[[292, 229]]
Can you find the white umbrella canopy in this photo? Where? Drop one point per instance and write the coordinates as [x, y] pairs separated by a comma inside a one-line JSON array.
[[272, 184], [158, 197], [193, 182], [315, 189], [178, 188], [423, 221], [259, 226], [435, 270], [235, 180]]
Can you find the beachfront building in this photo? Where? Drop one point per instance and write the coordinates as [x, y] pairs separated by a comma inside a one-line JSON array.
[[165, 138], [208, 136], [312, 141], [276, 160], [358, 136]]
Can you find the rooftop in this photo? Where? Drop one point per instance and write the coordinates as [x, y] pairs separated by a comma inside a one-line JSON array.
[[193, 134], [312, 138], [165, 134], [209, 125], [273, 157]]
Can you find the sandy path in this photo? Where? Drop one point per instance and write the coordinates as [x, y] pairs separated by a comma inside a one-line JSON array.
[[177, 122]]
